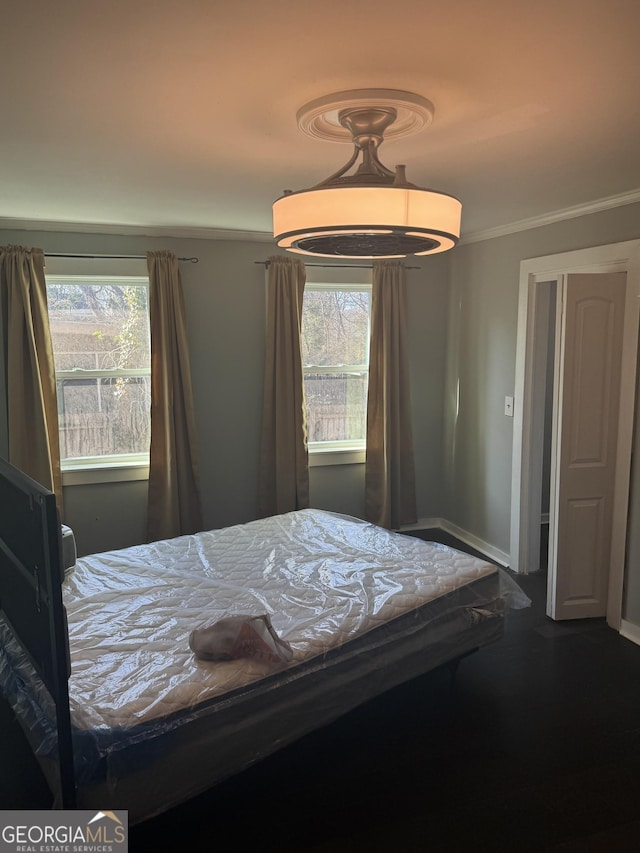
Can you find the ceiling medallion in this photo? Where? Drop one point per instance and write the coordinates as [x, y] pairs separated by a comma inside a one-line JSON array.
[[373, 212]]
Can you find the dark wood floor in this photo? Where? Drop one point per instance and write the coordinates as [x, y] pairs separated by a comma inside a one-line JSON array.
[[537, 748]]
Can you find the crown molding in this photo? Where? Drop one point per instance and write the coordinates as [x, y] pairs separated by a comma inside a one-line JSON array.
[[184, 232], [629, 197], [202, 233]]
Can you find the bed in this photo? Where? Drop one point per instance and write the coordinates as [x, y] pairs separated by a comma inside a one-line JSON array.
[[96, 662]]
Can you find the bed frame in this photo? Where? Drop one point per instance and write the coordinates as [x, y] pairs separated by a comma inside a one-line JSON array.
[[31, 598], [31, 572]]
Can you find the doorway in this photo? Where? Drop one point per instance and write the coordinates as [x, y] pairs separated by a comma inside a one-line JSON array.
[[537, 280]]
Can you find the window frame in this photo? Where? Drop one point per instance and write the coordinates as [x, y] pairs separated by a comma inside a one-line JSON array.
[[348, 451], [109, 467]]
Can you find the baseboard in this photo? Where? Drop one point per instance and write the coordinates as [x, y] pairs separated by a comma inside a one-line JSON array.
[[490, 551], [630, 631], [423, 524]]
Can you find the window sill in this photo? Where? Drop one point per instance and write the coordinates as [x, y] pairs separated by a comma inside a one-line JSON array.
[[113, 473], [331, 456]]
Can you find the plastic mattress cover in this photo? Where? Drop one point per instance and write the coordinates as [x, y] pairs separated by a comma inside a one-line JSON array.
[[323, 579]]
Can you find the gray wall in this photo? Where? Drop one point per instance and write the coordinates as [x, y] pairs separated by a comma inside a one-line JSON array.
[[224, 298], [484, 281], [462, 340], [631, 604]]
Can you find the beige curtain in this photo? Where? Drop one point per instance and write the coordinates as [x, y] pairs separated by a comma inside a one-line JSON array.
[[34, 442], [174, 496], [284, 461], [390, 492]]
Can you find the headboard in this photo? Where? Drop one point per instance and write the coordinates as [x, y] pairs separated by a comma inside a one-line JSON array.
[[31, 595]]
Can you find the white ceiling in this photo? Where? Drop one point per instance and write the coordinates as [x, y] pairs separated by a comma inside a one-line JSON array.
[[183, 114]]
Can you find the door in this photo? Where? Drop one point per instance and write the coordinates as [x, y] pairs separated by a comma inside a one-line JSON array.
[[587, 399]]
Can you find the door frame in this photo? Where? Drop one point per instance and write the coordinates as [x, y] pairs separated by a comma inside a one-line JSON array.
[[526, 482]]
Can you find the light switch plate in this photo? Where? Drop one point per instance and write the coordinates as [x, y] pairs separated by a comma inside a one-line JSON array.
[[508, 406]]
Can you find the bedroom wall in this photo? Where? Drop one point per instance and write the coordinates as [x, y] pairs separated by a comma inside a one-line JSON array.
[[631, 604], [462, 438], [481, 364], [224, 298]]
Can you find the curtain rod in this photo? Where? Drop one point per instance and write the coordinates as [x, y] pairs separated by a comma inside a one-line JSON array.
[[110, 257], [338, 266]]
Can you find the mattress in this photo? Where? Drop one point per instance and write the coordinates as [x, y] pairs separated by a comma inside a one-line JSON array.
[[359, 606], [323, 579]]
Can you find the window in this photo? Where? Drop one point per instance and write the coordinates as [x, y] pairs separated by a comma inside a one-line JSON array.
[[335, 358], [101, 347]]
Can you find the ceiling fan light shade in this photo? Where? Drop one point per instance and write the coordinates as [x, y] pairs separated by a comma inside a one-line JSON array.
[[367, 222]]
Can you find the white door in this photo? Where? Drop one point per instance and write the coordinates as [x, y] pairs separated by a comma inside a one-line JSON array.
[[587, 400]]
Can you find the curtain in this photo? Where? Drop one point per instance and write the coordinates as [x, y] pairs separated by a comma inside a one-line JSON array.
[[32, 410], [284, 462], [173, 507], [390, 492]]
